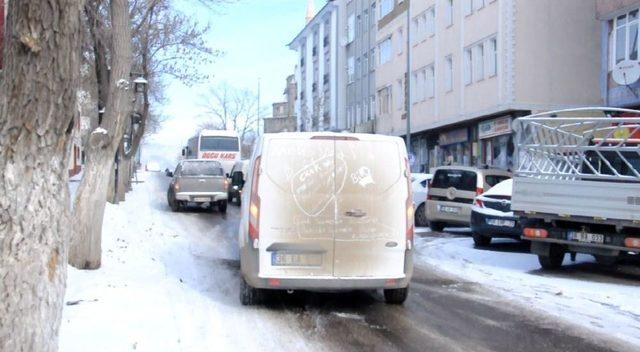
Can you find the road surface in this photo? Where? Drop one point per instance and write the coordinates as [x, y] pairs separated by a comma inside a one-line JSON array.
[[442, 313]]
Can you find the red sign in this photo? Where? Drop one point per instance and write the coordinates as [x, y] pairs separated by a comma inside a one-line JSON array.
[[219, 156]]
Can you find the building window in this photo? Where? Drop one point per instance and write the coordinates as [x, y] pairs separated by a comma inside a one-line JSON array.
[[372, 106], [468, 57], [351, 28], [449, 12], [384, 100], [400, 94], [386, 6], [325, 41], [478, 63], [429, 82], [478, 4], [626, 37], [424, 25], [385, 51], [467, 7], [351, 69], [448, 73], [372, 62], [430, 21], [400, 41], [491, 52]]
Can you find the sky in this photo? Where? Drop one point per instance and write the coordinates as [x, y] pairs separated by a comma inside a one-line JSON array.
[[253, 34]]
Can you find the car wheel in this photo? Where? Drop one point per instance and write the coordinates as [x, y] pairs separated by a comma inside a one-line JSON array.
[[396, 295], [222, 206], [554, 259], [421, 216], [248, 295], [436, 226], [480, 240]]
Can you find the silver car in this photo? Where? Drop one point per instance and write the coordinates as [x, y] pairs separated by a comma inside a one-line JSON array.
[[198, 182]]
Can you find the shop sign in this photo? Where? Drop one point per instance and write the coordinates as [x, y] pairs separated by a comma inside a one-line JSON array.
[[496, 127], [452, 137]]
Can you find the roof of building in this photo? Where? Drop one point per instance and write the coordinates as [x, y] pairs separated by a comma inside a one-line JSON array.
[[329, 5]]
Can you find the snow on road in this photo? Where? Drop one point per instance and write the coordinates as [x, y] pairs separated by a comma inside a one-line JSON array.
[[609, 306], [168, 282]]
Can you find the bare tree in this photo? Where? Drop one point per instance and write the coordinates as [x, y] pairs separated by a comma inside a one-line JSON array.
[[37, 108], [85, 250], [229, 108]]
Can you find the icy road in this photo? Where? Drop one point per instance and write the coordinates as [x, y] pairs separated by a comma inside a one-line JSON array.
[[169, 282]]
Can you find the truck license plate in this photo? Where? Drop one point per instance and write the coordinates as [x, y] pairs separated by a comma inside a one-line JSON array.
[[295, 259], [586, 237], [448, 210], [501, 223], [201, 199]]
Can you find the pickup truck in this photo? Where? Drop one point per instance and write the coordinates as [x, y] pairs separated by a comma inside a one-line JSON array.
[[198, 182], [577, 183]]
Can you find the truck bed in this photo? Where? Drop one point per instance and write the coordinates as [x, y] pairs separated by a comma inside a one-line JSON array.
[[592, 199]]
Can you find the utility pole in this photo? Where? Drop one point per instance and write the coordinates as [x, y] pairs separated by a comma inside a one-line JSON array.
[[408, 79]]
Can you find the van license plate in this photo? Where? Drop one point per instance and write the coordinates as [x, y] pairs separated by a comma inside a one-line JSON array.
[[295, 259], [586, 237], [448, 210], [201, 199]]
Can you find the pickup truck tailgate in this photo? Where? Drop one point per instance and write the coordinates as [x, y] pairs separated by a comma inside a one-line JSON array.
[[601, 199], [193, 184]]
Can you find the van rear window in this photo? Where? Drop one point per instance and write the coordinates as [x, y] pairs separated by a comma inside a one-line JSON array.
[[458, 179]]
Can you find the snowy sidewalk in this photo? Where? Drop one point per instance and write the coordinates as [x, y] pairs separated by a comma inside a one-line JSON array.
[[609, 306]]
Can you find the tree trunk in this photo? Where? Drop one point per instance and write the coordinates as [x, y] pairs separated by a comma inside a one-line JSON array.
[[37, 107], [92, 194], [127, 165]]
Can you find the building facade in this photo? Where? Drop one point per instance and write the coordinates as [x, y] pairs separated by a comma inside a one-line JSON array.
[[321, 69], [478, 64], [390, 64], [3, 14], [360, 47], [619, 33], [283, 117]]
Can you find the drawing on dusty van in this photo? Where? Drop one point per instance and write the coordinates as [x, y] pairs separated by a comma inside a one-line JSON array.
[[307, 184]]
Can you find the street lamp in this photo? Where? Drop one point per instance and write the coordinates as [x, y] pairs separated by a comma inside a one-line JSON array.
[[140, 84]]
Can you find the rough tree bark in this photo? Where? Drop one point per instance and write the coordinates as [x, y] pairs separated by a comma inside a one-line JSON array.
[[37, 107], [89, 205]]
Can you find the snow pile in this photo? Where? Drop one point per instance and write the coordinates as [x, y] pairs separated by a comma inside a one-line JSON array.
[[606, 304], [100, 130]]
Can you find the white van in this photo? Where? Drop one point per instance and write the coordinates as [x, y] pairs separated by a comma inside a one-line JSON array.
[[327, 211]]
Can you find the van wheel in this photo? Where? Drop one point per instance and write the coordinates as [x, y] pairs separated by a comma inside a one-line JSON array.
[[248, 295], [222, 206], [396, 295], [554, 259], [436, 226], [421, 217], [480, 240]]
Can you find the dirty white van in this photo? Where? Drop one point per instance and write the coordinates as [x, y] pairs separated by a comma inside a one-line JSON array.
[[327, 212]]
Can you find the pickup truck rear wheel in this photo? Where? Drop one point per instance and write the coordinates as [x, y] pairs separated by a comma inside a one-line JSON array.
[[396, 295], [222, 206], [248, 295], [554, 259]]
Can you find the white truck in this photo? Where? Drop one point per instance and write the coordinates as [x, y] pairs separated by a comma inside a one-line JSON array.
[[577, 184]]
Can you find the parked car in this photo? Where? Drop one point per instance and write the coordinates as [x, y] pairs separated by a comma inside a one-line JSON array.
[[327, 211], [491, 215], [453, 190], [198, 182], [237, 179], [420, 187]]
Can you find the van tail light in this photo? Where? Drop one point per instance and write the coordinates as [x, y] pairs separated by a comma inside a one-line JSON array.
[[535, 233], [409, 206], [632, 242], [478, 202], [254, 205], [479, 191]]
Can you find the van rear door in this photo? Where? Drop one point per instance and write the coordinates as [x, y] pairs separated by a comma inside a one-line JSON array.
[[371, 194], [297, 207]]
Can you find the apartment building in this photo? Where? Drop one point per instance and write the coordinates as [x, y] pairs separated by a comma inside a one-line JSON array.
[[321, 71], [478, 64], [283, 118], [360, 47], [390, 64], [619, 33]]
